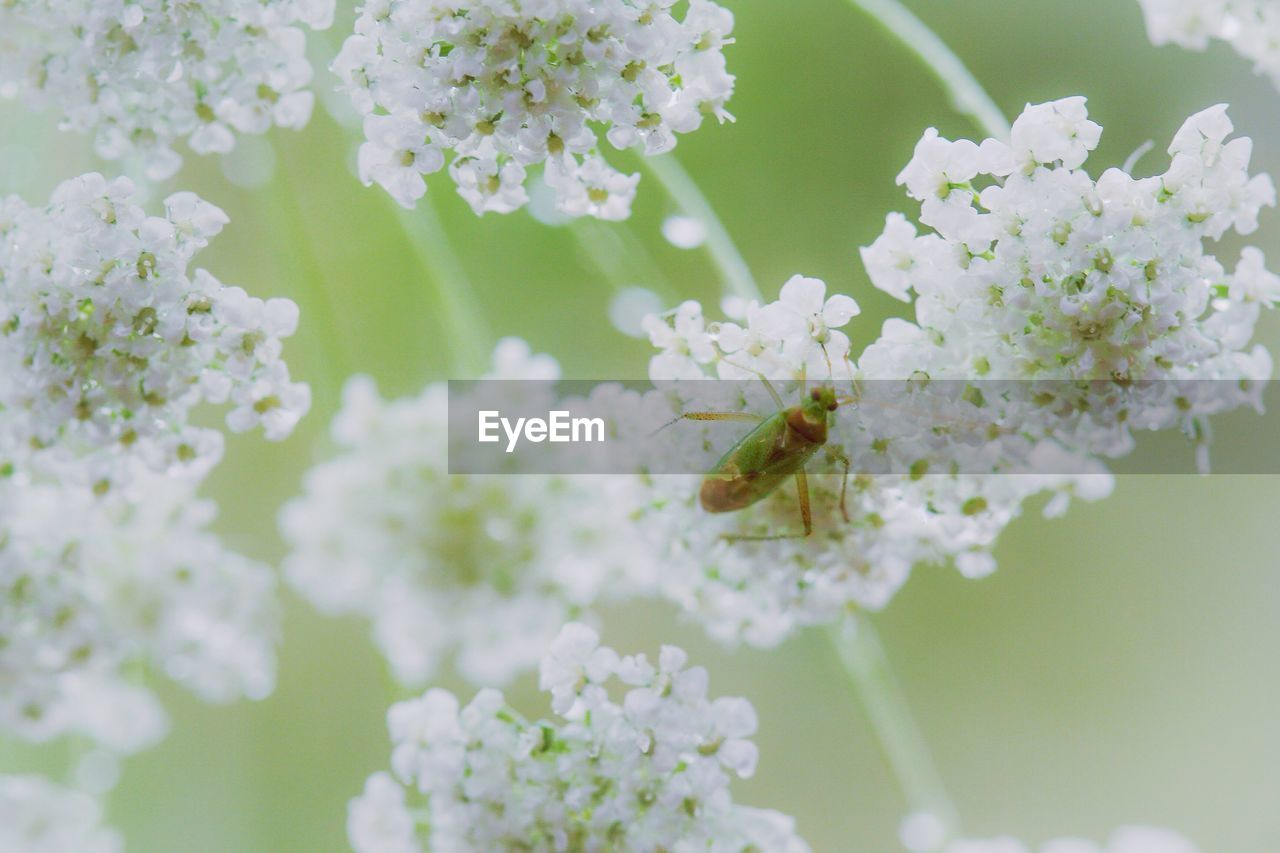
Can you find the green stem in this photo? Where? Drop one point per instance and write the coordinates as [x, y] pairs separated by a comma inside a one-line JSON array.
[[621, 257], [333, 358], [689, 198], [863, 657], [468, 333], [967, 95]]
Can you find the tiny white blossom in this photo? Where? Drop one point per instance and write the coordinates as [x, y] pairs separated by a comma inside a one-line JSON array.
[[504, 87], [37, 816], [110, 340], [648, 772], [143, 75]]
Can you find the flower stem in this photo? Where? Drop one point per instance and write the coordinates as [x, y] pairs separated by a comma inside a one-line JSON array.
[[621, 257], [468, 333], [680, 185], [864, 660], [330, 339], [967, 95]]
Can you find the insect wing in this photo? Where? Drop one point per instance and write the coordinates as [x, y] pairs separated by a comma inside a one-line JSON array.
[[756, 466]]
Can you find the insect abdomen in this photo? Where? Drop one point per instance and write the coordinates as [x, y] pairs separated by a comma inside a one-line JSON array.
[[724, 493]]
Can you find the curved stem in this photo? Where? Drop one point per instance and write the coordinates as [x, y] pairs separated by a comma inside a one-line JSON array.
[[863, 657], [468, 333], [967, 95], [613, 251], [689, 198], [309, 277]]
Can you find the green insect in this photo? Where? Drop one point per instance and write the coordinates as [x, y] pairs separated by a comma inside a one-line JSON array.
[[778, 448]]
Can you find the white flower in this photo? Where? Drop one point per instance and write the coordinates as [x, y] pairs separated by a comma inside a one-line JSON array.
[[92, 588], [1100, 291], [1058, 132], [1251, 27], [591, 188], [808, 325], [110, 341], [396, 157], [918, 511], [1078, 280], [484, 567], [507, 86], [37, 816], [143, 75], [649, 772], [1128, 839], [890, 258], [685, 343]]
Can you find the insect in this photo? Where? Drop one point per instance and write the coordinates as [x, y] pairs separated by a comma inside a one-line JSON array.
[[781, 446], [778, 449]]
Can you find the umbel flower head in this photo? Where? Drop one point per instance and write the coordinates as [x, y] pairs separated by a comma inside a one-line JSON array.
[[1033, 270], [505, 86], [1127, 839], [37, 816], [108, 340], [761, 591], [143, 75], [647, 772], [95, 591], [485, 567], [1251, 27]]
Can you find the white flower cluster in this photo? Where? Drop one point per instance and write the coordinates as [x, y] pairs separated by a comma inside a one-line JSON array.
[[1251, 27], [97, 591], [108, 340], [760, 591], [491, 566], [1035, 271], [647, 773], [508, 85], [37, 816], [142, 75], [1128, 839]]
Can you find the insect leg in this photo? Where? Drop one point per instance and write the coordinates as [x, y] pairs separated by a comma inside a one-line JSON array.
[[802, 489], [844, 481]]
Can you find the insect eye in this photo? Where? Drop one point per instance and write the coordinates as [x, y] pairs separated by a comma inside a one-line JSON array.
[[815, 394], [832, 406]]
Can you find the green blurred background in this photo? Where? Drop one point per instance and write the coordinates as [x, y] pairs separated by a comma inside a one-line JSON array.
[[1120, 667]]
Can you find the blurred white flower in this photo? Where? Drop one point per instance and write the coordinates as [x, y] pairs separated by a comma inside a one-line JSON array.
[[98, 591], [143, 75], [650, 771], [507, 86], [110, 340], [684, 232], [1251, 27], [486, 568], [37, 816], [1128, 839]]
